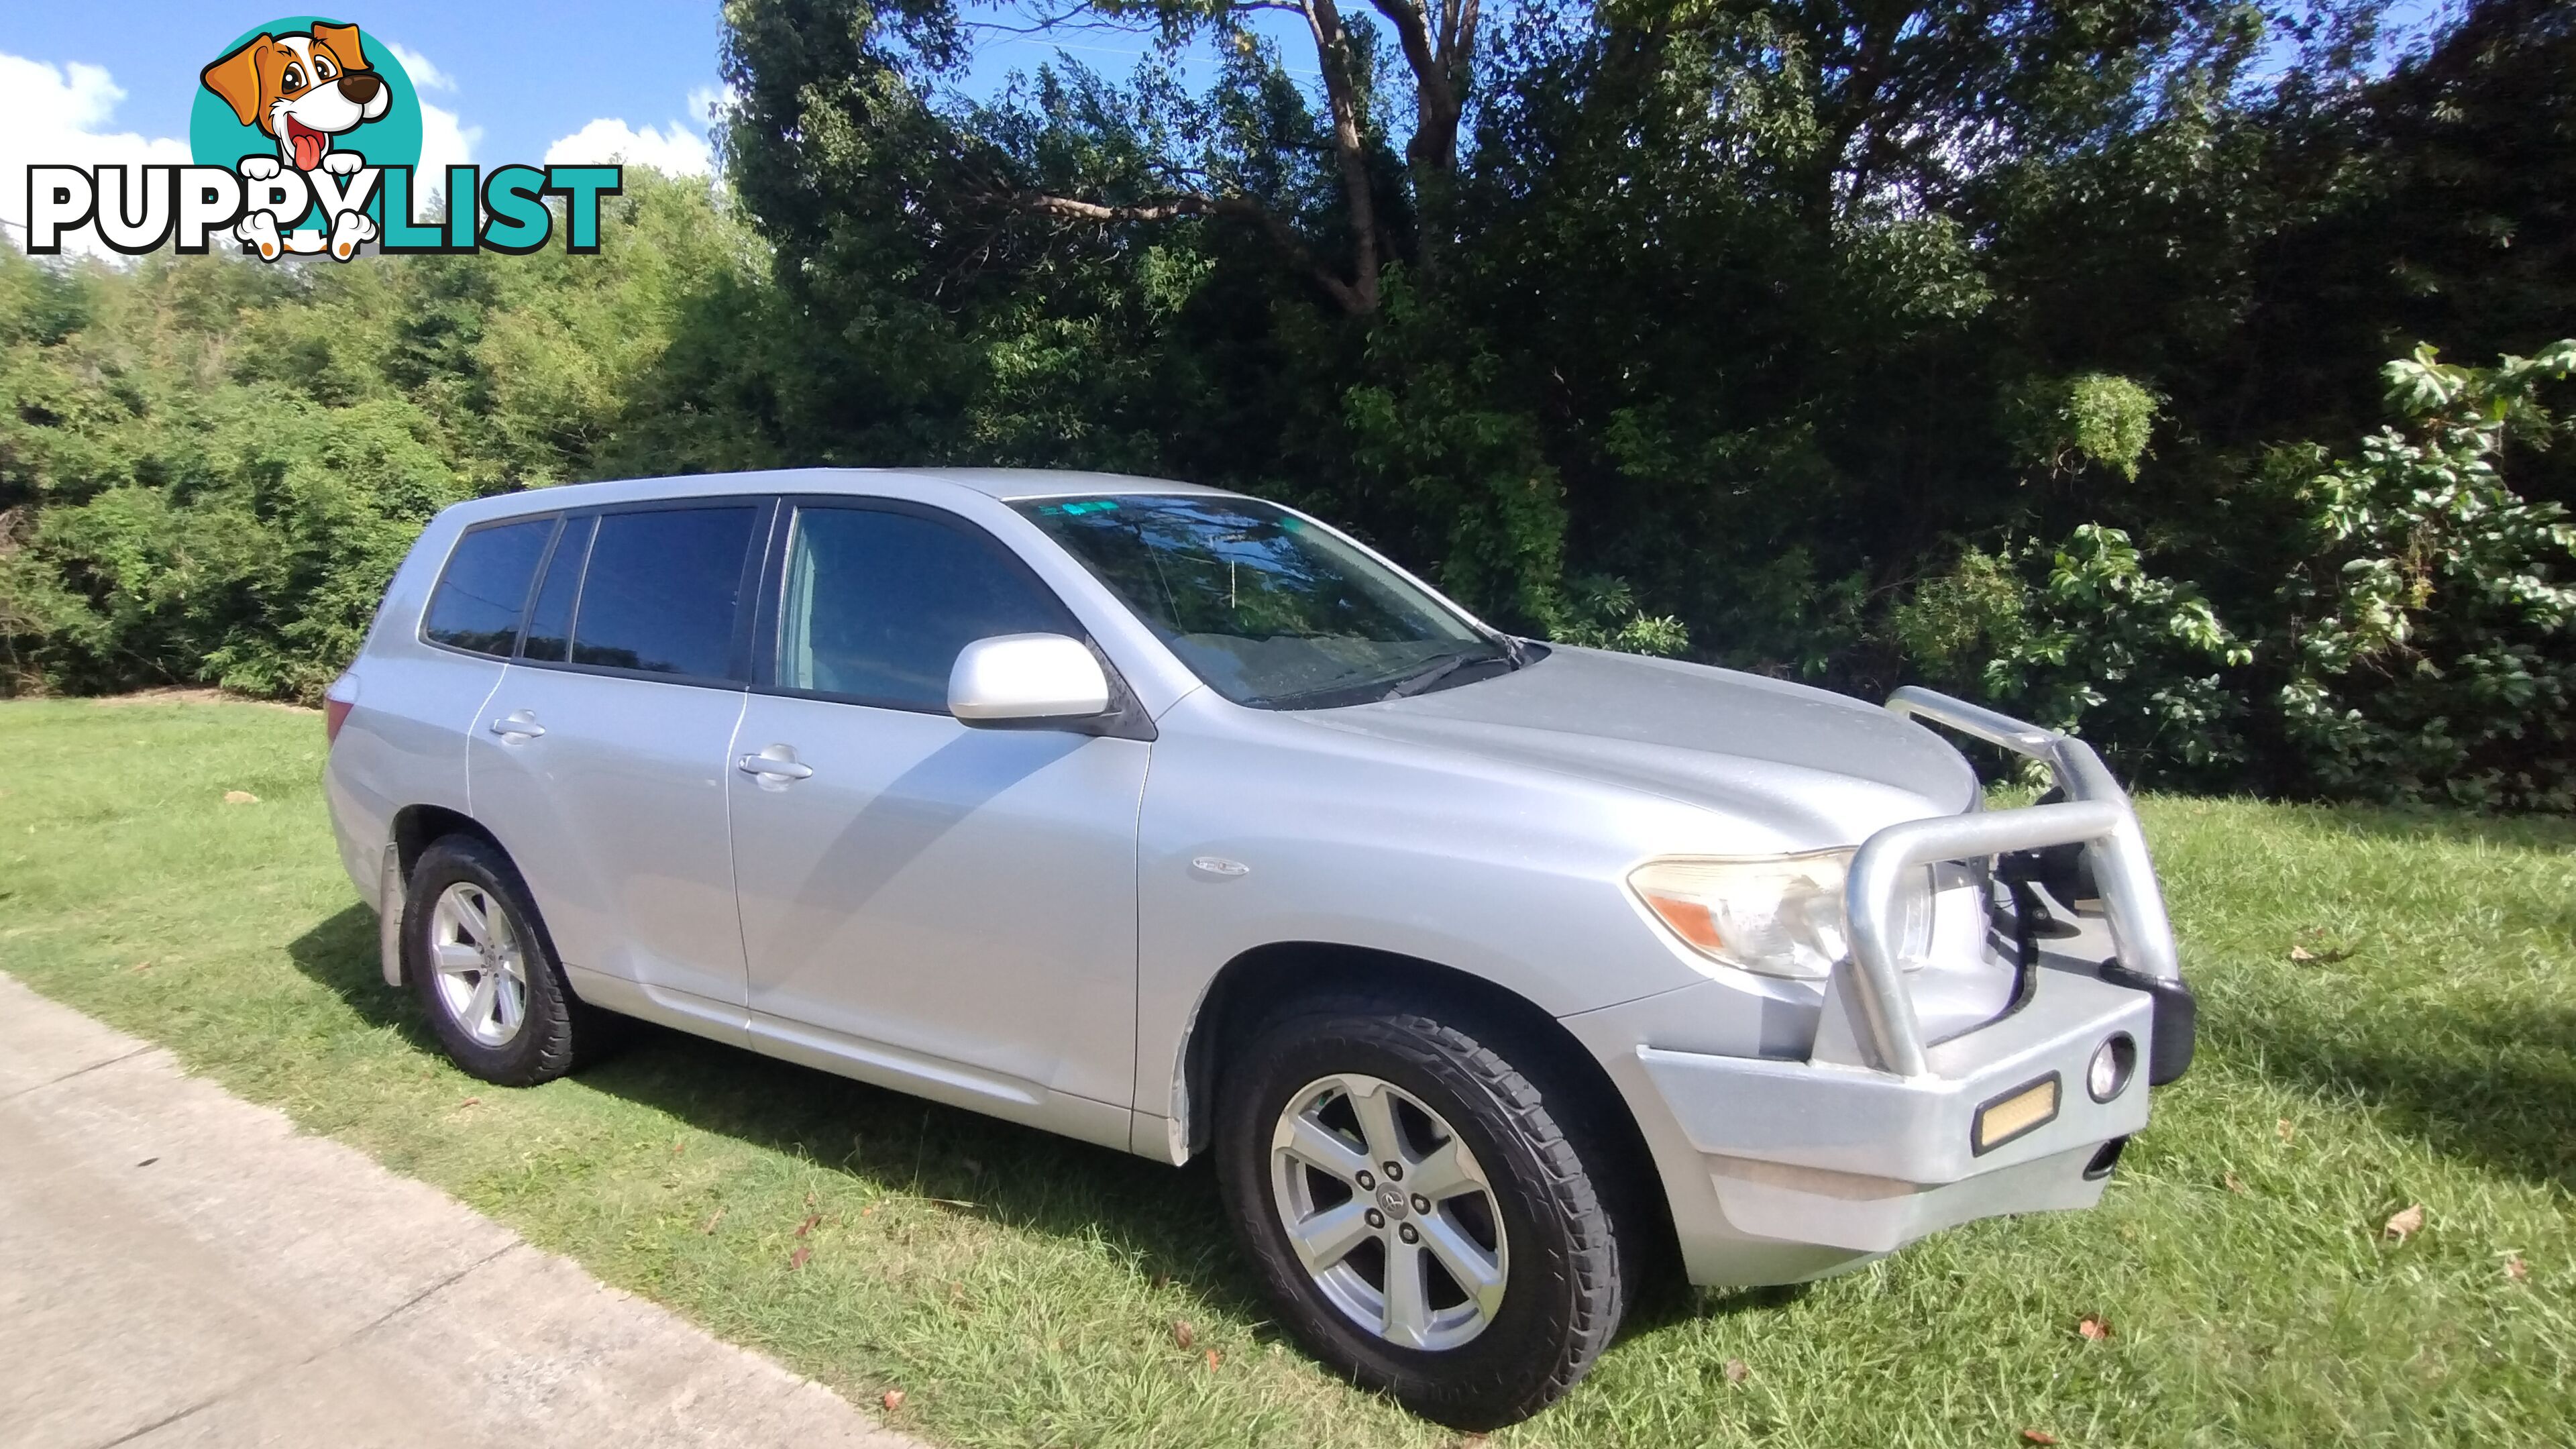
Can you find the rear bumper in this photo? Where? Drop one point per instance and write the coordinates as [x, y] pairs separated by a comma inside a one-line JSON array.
[[1861, 1161]]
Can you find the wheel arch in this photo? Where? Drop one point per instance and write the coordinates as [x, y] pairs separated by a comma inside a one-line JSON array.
[[415, 829], [1248, 989]]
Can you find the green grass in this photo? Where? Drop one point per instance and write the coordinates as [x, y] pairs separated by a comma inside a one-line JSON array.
[[1022, 1290]]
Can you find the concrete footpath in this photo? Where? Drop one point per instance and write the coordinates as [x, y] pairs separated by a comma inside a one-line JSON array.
[[179, 1267]]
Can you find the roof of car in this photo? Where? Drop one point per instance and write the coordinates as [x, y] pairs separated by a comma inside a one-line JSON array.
[[1017, 483], [1006, 484]]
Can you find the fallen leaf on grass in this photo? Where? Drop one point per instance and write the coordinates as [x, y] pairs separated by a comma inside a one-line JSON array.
[[2404, 1223], [892, 1399], [1737, 1371], [2094, 1328], [140, 966], [2287, 1129], [1213, 1359], [2037, 1436], [2515, 1268], [1182, 1333], [469, 1102], [807, 1226], [713, 1218], [240, 797], [2325, 957], [2234, 1183], [797, 1259]]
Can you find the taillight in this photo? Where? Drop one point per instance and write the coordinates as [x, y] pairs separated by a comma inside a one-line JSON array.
[[336, 702]]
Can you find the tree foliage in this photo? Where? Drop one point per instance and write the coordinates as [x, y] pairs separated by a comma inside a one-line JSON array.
[[2029, 347]]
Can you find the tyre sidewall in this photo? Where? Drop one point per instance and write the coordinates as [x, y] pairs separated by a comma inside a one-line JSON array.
[[542, 1048], [1480, 1382]]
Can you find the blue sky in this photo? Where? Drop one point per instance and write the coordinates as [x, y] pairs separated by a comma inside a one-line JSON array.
[[503, 82], [519, 77]]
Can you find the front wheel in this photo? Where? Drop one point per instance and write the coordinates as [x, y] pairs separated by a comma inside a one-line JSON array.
[[1418, 1210]]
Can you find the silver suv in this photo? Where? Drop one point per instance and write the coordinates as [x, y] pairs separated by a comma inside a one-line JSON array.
[[1498, 978]]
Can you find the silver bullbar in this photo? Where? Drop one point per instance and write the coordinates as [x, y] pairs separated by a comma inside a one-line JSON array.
[[1881, 1136], [2095, 814]]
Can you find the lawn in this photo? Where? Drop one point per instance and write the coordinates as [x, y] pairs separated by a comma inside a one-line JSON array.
[[2389, 1022]]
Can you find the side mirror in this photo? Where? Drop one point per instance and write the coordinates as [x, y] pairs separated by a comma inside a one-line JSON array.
[[1026, 679]]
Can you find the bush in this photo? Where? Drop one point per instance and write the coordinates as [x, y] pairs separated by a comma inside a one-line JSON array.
[[2419, 645]]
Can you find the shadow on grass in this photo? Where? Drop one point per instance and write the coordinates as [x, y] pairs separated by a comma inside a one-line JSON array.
[[2493, 1087], [1168, 1221]]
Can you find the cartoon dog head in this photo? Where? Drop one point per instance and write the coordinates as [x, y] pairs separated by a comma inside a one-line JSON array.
[[301, 88]]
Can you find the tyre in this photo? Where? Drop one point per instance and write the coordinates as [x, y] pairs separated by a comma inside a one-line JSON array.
[[486, 972], [1414, 1203]]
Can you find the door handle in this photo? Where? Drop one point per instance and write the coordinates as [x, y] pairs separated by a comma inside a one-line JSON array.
[[774, 766], [518, 724]]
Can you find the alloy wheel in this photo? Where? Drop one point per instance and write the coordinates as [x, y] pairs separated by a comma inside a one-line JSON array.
[[1389, 1212], [482, 973]]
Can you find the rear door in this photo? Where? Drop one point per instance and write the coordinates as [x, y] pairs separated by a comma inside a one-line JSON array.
[[421, 689], [939, 908], [601, 763]]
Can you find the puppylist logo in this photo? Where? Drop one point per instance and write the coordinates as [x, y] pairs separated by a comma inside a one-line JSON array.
[[305, 135]]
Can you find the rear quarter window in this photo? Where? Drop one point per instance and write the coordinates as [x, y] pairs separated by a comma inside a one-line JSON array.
[[485, 586]]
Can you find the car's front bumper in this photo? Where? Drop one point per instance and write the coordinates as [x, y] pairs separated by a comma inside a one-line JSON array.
[[1850, 1158]]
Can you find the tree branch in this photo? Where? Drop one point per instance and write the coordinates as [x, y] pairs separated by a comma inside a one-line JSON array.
[[1282, 235]]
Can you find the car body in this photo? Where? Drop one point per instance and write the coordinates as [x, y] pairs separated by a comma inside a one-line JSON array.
[[1049, 918]]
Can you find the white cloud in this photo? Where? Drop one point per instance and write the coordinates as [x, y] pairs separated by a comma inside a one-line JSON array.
[[444, 139], [57, 115], [444, 142], [425, 74], [674, 150], [707, 104]]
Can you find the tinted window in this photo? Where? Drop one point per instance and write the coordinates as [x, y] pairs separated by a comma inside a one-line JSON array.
[[662, 589], [550, 618], [479, 597], [877, 605], [1264, 606]]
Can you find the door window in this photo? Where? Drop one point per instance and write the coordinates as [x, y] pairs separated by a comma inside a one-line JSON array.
[[480, 595], [878, 604], [662, 591]]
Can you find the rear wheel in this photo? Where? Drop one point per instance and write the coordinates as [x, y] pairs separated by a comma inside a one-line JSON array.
[[1418, 1210], [485, 971]]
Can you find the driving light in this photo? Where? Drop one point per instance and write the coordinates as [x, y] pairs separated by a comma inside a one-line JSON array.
[[1780, 915], [2109, 1070]]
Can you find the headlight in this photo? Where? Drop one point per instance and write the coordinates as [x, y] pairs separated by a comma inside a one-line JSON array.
[[1779, 915]]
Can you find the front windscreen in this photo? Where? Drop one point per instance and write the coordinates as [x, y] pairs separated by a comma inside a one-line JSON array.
[[1267, 608]]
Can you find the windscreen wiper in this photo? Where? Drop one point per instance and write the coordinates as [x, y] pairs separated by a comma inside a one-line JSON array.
[[1416, 683]]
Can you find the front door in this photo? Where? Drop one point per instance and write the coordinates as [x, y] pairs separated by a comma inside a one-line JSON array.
[[947, 910], [601, 762]]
